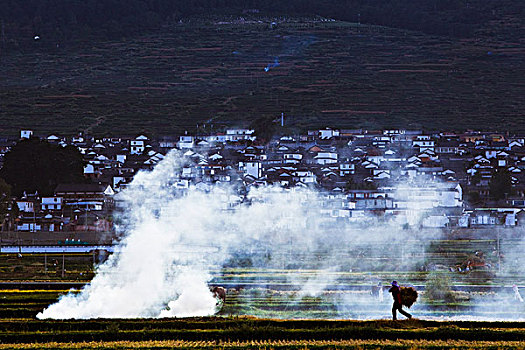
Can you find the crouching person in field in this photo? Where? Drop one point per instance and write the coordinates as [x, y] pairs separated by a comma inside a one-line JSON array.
[[220, 294], [398, 303]]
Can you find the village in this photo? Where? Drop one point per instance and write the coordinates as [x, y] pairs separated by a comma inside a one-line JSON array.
[[470, 180]]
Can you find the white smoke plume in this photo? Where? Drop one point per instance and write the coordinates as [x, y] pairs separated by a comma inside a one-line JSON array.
[[175, 240], [505, 301], [170, 243]]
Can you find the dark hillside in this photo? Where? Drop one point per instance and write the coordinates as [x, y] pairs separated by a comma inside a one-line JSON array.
[[214, 71], [166, 66], [66, 20]]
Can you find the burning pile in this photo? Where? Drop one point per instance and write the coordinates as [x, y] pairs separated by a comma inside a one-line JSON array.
[[408, 296]]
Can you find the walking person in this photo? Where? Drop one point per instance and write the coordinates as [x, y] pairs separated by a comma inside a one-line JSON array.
[[380, 292], [398, 306], [517, 294]]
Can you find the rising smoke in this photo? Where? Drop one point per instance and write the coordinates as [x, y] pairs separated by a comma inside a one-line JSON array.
[[174, 239], [291, 46], [272, 65]]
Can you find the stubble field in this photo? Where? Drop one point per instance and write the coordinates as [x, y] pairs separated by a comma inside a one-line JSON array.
[[264, 307]]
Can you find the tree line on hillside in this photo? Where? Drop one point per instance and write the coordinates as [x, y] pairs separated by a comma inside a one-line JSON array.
[[65, 20]]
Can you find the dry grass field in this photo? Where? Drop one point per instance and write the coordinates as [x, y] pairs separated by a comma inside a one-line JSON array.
[[267, 312], [251, 333]]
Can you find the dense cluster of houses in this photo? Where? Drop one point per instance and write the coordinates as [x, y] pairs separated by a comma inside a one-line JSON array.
[[422, 179]]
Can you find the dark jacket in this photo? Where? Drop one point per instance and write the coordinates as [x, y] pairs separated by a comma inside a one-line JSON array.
[[396, 293]]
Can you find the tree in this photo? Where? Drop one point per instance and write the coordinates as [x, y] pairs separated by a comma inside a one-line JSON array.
[[500, 185], [34, 165], [438, 288], [351, 184], [265, 128], [473, 197], [5, 196]]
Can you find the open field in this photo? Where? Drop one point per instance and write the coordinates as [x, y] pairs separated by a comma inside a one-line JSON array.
[[265, 307], [413, 260], [241, 333], [292, 285], [328, 74]]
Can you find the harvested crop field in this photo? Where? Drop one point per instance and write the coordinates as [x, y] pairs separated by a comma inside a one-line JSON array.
[[242, 333], [290, 285], [318, 74], [266, 309]]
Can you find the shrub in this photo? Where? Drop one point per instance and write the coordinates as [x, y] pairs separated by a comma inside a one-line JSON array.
[[438, 288]]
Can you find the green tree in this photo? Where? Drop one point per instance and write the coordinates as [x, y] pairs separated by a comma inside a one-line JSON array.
[[5, 196], [265, 128], [351, 184], [473, 197], [438, 288], [500, 185], [35, 165]]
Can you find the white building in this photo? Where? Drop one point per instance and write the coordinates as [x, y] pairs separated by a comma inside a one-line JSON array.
[[424, 143], [186, 141], [346, 169], [436, 221], [427, 196], [26, 206], [292, 158], [323, 158], [137, 146], [240, 134], [26, 134], [328, 133], [51, 203]]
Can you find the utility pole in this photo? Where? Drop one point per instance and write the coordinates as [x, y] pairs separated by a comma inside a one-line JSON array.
[[34, 218], [499, 254], [3, 34], [19, 246]]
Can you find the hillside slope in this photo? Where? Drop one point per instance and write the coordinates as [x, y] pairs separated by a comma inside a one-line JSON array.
[[229, 72]]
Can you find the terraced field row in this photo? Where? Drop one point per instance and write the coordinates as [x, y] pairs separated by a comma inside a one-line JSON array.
[[271, 289], [357, 264], [277, 344], [241, 333]]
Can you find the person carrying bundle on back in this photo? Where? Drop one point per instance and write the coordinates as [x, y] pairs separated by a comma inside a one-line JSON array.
[[398, 303]]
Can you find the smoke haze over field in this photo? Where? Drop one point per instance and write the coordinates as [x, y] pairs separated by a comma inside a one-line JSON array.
[[174, 241]]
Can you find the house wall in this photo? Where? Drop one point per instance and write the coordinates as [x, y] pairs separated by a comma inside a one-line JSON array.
[[51, 203], [31, 227], [137, 147], [26, 134], [253, 169], [27, 207]]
